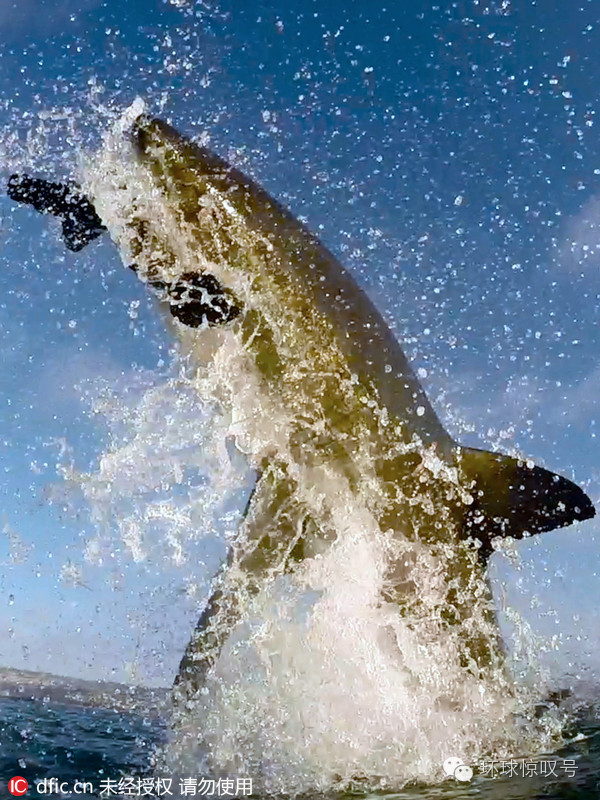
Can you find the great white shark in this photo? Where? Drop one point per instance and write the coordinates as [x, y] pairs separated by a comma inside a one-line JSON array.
[[221, 253]]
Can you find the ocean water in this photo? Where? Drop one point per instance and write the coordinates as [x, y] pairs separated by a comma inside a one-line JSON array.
[[77, 745], [41, 740]]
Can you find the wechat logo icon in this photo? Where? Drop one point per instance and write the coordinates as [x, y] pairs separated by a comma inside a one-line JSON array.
[[455, 768]]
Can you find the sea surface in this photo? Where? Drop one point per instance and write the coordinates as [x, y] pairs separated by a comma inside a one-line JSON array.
[[88, 749]]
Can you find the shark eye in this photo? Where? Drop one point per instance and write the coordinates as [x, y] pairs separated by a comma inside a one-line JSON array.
[[199, 299]]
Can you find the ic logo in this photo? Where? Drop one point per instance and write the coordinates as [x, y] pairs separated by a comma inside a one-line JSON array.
[[17, 785]]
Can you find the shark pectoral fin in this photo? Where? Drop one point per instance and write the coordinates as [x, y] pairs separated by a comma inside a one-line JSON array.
[[516, 498], [220, 615], [269, 539]]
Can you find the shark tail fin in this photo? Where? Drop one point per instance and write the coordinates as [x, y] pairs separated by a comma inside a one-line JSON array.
[[514, 497]]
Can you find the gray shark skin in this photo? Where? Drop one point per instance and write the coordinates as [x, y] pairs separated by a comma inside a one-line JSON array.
[[227, 254]]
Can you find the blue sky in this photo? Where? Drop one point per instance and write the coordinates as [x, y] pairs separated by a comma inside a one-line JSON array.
[[449, 155]]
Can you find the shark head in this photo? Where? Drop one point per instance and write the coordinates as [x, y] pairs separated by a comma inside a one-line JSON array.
[[214, 234]]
